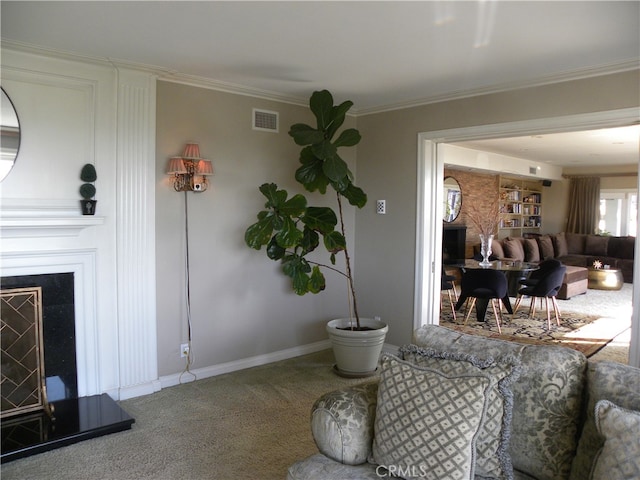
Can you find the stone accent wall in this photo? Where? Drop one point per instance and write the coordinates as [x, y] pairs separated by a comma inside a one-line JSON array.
[[477, 189]]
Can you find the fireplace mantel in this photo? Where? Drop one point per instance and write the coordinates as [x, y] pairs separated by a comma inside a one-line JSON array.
[[23, 218]]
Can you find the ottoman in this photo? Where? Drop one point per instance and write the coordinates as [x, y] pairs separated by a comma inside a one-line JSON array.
[[575, 282]]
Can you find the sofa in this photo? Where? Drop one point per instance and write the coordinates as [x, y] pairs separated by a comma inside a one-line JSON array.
[[549, 414], [574, 249]]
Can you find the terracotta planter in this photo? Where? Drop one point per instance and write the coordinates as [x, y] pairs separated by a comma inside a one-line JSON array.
[[356, 352]]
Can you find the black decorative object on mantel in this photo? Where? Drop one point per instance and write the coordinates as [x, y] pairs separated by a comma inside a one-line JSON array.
[[88, 190]]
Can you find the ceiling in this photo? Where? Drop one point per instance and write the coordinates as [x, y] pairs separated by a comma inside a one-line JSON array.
[[381, 55]]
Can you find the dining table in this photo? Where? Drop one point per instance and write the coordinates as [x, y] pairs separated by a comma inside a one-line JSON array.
[[515, 270]]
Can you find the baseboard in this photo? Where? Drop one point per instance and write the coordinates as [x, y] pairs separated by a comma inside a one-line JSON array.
[[228, 367]]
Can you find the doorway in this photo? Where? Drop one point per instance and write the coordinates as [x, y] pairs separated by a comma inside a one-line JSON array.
[[430, 198]]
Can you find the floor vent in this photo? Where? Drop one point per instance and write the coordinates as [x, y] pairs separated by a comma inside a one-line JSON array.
[[265, 120]]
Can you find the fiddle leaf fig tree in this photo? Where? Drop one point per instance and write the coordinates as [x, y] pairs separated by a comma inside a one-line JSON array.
[[288, 227]]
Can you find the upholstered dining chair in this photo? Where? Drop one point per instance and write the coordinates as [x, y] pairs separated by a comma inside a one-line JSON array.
[[487, 285], [546, 287]]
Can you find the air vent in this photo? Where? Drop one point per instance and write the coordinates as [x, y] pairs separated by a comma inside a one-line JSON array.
[[265, 120], [533, 171]]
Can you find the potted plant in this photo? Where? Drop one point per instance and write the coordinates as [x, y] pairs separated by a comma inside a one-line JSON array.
[[290, 229], [88, 190]]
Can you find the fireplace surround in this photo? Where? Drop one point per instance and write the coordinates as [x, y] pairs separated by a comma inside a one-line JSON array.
[[66, 418]]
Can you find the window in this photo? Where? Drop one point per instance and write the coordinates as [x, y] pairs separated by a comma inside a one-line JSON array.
[[618, 212]]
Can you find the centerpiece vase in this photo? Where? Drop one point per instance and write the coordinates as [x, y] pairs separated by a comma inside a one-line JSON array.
[[485, 249]]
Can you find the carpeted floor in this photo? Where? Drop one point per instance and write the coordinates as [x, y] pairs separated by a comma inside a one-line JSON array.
[[588, 322], [245, 425]]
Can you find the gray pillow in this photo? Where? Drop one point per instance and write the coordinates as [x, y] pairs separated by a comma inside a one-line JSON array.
[[492, 447], [427, 422], [619, 457]]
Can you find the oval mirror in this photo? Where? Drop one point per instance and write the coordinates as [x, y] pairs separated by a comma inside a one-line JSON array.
[[452, 199], [9, 135]]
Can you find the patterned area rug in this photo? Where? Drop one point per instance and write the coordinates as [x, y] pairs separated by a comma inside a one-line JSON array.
[[583, 332]]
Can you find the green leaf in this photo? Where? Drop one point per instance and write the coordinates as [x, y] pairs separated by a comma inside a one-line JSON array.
[[305, 135], [295, 206], [310, 240], [275, 251], [321, 219], [274, 196], [316, 281], [289, 235], [321, 104], [335, 242], [259, 233], [355, 195], [335, 168], [348, 138], [338, 115], [297, 268], [324, 150], [310, 174]]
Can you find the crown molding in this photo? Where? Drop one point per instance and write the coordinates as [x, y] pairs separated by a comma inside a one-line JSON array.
[[170, 75], [566, 76]]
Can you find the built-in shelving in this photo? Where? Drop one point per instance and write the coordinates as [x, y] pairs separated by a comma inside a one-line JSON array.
[[520, 203]]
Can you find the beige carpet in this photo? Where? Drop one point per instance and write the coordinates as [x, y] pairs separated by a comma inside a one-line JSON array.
[[246, 425]]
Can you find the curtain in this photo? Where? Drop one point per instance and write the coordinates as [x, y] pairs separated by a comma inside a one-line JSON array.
[[584, 205]]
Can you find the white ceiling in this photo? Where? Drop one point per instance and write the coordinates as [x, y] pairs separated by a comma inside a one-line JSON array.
[[381, 55]]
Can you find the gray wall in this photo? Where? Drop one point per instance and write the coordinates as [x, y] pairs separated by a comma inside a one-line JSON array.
[[241, 305], [387, 166]]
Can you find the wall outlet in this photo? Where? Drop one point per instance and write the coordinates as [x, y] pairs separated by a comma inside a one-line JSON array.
[[381, 207], [184, 350]]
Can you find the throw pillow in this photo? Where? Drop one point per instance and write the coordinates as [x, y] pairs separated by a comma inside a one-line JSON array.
[[596, 245], [513, 248], [496, 248], [575, 243], [492, 446], [531, 250], [619, 458], [560, 244], [546, 247], [427, 422]]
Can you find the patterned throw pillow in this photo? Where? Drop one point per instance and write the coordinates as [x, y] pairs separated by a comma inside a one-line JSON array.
[[619, 458], [427, 422], [492, 446]]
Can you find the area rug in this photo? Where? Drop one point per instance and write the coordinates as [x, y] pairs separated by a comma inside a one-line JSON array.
[[583, 332]]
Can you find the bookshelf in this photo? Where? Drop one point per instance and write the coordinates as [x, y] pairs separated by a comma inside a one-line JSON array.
[[520, 203]]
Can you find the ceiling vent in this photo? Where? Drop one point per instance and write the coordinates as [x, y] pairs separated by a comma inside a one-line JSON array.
[[265, 120], [533, 170]]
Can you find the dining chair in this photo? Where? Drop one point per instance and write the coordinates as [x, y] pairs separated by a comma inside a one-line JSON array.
[[546, 287], [447, 282], [485, 284], [544, 268]]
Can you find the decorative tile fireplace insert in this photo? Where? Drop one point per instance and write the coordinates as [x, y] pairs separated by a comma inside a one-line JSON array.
[[35, 428]]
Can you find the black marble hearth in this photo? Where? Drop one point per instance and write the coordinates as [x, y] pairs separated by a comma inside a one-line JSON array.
[[74, 420]]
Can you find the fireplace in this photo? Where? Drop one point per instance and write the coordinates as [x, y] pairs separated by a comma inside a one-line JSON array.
[[55, 416]]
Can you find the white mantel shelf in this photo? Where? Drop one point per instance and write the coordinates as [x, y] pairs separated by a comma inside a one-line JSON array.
[[30, 227], [26, 218]]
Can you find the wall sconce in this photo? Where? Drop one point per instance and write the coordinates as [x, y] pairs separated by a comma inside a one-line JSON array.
[[190, 171]]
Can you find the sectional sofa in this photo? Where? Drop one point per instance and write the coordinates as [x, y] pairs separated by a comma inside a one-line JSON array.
[[550, 414], [575, 249]]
